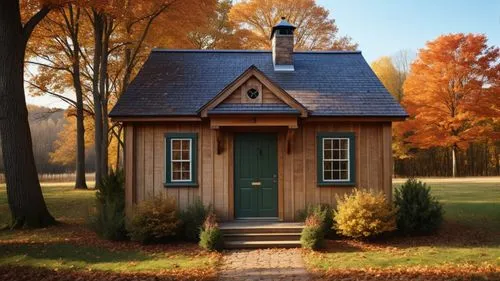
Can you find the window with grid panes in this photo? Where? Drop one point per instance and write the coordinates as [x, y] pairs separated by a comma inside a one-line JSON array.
[[336, 158], [180, 159]]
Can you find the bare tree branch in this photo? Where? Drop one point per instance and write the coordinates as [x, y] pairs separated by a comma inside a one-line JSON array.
[[33, 21], [48, 66], [63, 98]]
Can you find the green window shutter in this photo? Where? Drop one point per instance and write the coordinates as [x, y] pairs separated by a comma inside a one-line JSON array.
[[336, 176], [183, 177]]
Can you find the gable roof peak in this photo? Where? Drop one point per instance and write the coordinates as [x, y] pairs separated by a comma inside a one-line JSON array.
[[253, 71]]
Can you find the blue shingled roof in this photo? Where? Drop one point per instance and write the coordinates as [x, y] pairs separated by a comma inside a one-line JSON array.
[[180, 82]]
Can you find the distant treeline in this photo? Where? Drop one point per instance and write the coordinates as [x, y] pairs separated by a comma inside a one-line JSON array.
[[46, 124], [480, 159], [59, 177]]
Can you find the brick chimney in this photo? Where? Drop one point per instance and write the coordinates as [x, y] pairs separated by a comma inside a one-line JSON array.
[[282, 40]]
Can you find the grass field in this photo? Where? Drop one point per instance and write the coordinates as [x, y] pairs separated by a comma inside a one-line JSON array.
[[470, 236], [72, 247], [472, 204], [64, 202]]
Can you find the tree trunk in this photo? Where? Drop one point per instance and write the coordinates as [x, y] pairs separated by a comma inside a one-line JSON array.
[[105, 141], [103, 90], [454, 160], [80, 182], [497, 158], [127, 63], [24, 193], [98, 33], [118, 148]]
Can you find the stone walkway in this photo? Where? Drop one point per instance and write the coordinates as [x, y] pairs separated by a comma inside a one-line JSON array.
[[263, 265]]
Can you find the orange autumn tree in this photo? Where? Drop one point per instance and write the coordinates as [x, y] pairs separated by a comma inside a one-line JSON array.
[[217, 32], [315, 29], [450, 91], [92, 49]]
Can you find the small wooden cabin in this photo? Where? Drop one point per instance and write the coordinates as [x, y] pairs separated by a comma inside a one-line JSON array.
[[257, 134]]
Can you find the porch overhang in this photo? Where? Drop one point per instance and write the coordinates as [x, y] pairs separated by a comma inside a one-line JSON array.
[[287, 121]]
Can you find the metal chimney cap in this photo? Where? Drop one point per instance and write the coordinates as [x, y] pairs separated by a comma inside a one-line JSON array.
[[283, 24]]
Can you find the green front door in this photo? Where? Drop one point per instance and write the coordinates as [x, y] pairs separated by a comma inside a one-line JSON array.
[[255, 175]]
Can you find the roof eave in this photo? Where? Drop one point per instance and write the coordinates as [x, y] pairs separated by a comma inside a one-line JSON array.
[[254, 113]]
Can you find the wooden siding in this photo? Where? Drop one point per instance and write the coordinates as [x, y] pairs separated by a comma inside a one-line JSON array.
[[145, 164]]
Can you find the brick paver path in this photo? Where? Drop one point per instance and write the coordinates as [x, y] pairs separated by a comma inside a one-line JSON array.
[[269, 264]]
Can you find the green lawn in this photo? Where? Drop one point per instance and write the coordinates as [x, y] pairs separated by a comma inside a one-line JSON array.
[[405, 257], [72, 246], [64, 202], [470, 237], [472, 204], [69, 256]]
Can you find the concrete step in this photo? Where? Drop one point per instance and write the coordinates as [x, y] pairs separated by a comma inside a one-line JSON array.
[[261, 244], [261, 230], [267, 236], [230, 228], [261, 234]]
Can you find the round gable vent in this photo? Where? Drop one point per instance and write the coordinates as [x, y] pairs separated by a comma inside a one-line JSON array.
[[252, 93]]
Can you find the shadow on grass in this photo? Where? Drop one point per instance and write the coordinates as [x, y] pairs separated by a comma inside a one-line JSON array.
[[24, 273], [340, 246], [480, 215], [57, 251], [79, 235], [451, 235]]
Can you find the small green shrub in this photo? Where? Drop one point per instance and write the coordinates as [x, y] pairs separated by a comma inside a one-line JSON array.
[[108, 220], [418, 211], [210, 234], [192, 219], [322, 211], [364, 214], [313, 234], [154, 221]]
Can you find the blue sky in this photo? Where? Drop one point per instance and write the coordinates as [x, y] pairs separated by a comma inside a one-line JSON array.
[[385, 26]]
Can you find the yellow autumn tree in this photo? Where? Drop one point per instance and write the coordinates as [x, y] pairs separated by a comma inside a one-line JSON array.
[[65, 145], [388, 75], [316, 30], [393, 79]]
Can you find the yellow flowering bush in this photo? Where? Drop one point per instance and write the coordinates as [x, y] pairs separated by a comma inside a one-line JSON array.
[[363, 214]]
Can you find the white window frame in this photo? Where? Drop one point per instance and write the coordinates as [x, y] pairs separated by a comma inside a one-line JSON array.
[[336, 160], [190, 161]]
